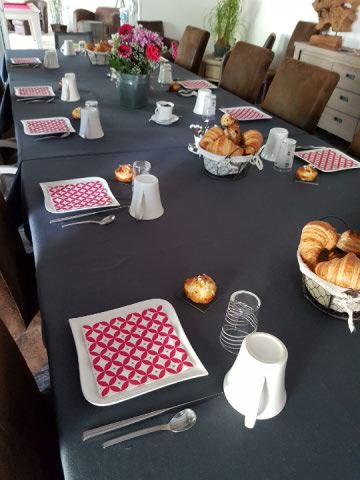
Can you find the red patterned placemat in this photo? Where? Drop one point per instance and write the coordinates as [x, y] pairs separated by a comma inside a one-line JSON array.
[[137, 349], [196, 84], [44, 126], [328, 159], [25, 60], [69, 197], [246, 113], [40, 91]]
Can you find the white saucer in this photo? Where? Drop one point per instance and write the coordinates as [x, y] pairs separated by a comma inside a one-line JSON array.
[[173, 119]]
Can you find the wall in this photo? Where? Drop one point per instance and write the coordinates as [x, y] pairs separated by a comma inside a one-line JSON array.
[[259, 18]]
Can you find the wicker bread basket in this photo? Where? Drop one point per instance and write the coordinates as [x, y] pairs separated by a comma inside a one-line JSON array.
[[336, 301], [220, 166], [98, 58]]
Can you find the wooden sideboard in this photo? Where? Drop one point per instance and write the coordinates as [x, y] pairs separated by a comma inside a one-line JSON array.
[[342, 113]]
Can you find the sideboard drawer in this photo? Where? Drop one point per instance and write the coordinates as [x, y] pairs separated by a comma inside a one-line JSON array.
[[349, 77], [338, 123], [315, 60], [345, 102]]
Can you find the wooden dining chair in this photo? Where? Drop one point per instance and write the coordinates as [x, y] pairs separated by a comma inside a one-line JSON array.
[[191, 48], [245, 70], [354, 148], [28, 446], [299, 93]]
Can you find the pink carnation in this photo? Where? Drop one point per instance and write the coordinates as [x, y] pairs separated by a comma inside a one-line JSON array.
[[124, 51], [152, 53]]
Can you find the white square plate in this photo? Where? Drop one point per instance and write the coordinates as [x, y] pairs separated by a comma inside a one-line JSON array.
[[36, 91], [196, 84], [89, 384], [77, 194], [47, 126], [328, 159], [25, 61]]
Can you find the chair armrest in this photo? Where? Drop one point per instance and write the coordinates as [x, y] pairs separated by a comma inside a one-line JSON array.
[[8, 144], [8, 169], [82, 14]]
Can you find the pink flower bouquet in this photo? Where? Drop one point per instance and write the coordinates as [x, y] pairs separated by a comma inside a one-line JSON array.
[[136, 50]]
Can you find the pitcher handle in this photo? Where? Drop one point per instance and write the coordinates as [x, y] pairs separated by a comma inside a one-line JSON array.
[[256, 160], [67, 90], [255, 393]]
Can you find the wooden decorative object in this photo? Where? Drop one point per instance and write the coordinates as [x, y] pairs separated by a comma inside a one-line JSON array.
[[339, 15]]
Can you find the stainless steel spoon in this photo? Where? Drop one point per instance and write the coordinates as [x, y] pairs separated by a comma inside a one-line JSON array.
[[180, 422], [53, 137], [104, 221]]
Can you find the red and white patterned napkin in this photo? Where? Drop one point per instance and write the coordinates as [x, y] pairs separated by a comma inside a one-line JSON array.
[[246, 113], [328, 159], [196, 84], [46, 126], [79, 194], [136, 349], [25, 61], [40, 91]]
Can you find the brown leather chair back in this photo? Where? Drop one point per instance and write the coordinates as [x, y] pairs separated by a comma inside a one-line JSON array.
[[23, 441], [191, 48], [354, 148], [110, 17], [156, 26], [300, 92], [18, 300], [302, 33], [245, 70]]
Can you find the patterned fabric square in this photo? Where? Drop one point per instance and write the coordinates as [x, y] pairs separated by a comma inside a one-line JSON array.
[[134, 350], [328, 160], [80, 195], [246, 113]]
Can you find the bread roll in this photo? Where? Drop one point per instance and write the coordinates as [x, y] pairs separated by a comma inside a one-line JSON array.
[[344, 272], [234, 133], [315, 237], [349, 242], [227, 120], [306, 173], [124, 173], [222, 146], [200, 289]]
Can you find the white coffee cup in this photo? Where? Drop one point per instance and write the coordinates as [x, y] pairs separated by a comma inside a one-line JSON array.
[[163, 111], [272, 147], [255, 384], [165, 73], [201, 100], [69, 89], [90, 126], [146, 202], [68, 48], [51, 59]]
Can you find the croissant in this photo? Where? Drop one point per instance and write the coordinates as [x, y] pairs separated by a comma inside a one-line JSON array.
[[210, 136], [222, 146], [239, 152], [315, 237], [349, 242], [253, 138], [344, 272]]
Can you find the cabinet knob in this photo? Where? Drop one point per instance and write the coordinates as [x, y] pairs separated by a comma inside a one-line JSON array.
[[343, 98], [338, 120]]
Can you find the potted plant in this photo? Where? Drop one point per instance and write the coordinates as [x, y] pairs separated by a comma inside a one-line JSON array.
[[56, 9], [223, 20], [135, 54]]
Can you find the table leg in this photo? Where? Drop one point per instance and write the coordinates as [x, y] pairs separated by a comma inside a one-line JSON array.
[[34, 23]]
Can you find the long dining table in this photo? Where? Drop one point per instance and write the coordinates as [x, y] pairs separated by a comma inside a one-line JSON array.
[[244, 234]]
